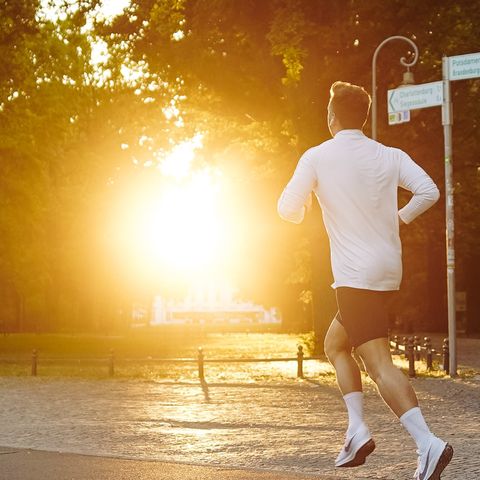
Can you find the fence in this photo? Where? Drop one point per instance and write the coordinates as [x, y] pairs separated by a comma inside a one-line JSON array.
[[410, 347], [413, 349], [200, 361]]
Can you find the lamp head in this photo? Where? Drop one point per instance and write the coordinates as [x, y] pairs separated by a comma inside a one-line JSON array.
[[408, 78]]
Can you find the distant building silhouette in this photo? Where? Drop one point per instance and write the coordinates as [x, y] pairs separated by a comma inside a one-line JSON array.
[[210, 306]]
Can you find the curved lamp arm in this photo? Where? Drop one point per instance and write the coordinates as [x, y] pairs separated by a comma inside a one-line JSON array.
[[403, 61]]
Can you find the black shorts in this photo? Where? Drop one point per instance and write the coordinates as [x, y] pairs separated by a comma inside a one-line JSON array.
[[363, 313]]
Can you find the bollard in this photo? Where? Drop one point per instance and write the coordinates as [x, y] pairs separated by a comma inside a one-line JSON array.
[[201, 373], [397, 343], [411, 357], [428, 351], [300, 362], [416, 345], [446, 356], [34, 363], [111, 366], [405, 343]]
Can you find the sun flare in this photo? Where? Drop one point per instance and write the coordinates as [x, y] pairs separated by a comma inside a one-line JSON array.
[[176, 222], [182, 229]]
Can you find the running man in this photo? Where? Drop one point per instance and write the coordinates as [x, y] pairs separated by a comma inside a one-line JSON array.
[[356, 180]]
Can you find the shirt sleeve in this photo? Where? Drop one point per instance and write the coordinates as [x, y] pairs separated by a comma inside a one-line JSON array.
[[425, 193], [291, 204]]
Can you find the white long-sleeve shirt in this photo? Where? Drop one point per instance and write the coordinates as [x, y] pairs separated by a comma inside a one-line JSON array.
[[356, 181]]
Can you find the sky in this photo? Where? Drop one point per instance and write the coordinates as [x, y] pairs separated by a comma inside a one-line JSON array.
[[108, 8]]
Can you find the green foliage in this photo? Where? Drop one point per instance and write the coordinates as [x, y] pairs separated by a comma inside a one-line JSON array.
[[289, 28]]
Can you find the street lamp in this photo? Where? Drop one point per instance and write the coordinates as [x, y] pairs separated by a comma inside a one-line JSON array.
[[407, 76]]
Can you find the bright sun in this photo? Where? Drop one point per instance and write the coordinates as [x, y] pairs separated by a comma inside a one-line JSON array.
[[182, 229], [177, 224]]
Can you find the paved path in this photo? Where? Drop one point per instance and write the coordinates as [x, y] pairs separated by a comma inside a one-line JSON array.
[[288, 427], [35, 465]]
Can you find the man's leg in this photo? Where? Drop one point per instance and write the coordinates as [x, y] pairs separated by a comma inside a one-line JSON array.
[[392, 384], [398, 394], [358, 443], [338, 350]]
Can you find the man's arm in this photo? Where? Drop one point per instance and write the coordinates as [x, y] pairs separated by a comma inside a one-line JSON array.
[[425, 193], [297, 194]]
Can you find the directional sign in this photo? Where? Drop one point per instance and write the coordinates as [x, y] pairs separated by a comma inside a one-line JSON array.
[[466, 66], [415, 96]]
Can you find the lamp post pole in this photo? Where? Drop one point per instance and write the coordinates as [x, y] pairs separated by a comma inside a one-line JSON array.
[[403, 61]]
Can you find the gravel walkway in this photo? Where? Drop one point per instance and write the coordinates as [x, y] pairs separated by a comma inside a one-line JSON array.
[[296, 426], [289, 425]]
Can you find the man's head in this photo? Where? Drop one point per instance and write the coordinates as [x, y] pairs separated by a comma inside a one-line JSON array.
[[348, 107]]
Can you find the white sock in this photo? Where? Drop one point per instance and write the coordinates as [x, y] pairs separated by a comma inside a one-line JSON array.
[[354, 402], [416, 426]]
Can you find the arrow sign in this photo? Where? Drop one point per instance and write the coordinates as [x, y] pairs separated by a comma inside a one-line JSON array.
[[415, 96], [466, 66]]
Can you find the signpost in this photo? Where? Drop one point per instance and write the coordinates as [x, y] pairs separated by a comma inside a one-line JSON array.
[[447, 122], [415, 96], [460, 67], [463, 67]]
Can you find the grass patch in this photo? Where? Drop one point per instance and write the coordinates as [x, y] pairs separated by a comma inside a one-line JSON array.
[[160, 344]]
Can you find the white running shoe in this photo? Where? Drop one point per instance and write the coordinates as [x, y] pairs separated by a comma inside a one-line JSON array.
[[356, 449], [433, 461]]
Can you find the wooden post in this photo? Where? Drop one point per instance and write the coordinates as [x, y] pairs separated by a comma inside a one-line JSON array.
[[416, 345], [397, 345], [201, 362], [411, 357], [446, 356], [428, 351], [34, 362], [111, 363], [300, 362]]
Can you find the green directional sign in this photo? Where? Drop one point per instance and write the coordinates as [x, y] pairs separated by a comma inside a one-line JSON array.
[[462, 67]]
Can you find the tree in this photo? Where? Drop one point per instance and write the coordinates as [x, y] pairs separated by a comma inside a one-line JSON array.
[[253, 78]]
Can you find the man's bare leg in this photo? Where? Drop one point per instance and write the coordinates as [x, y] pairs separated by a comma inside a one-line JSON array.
[[358, 442], [339, 353], [398, 394], [392, 384]]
